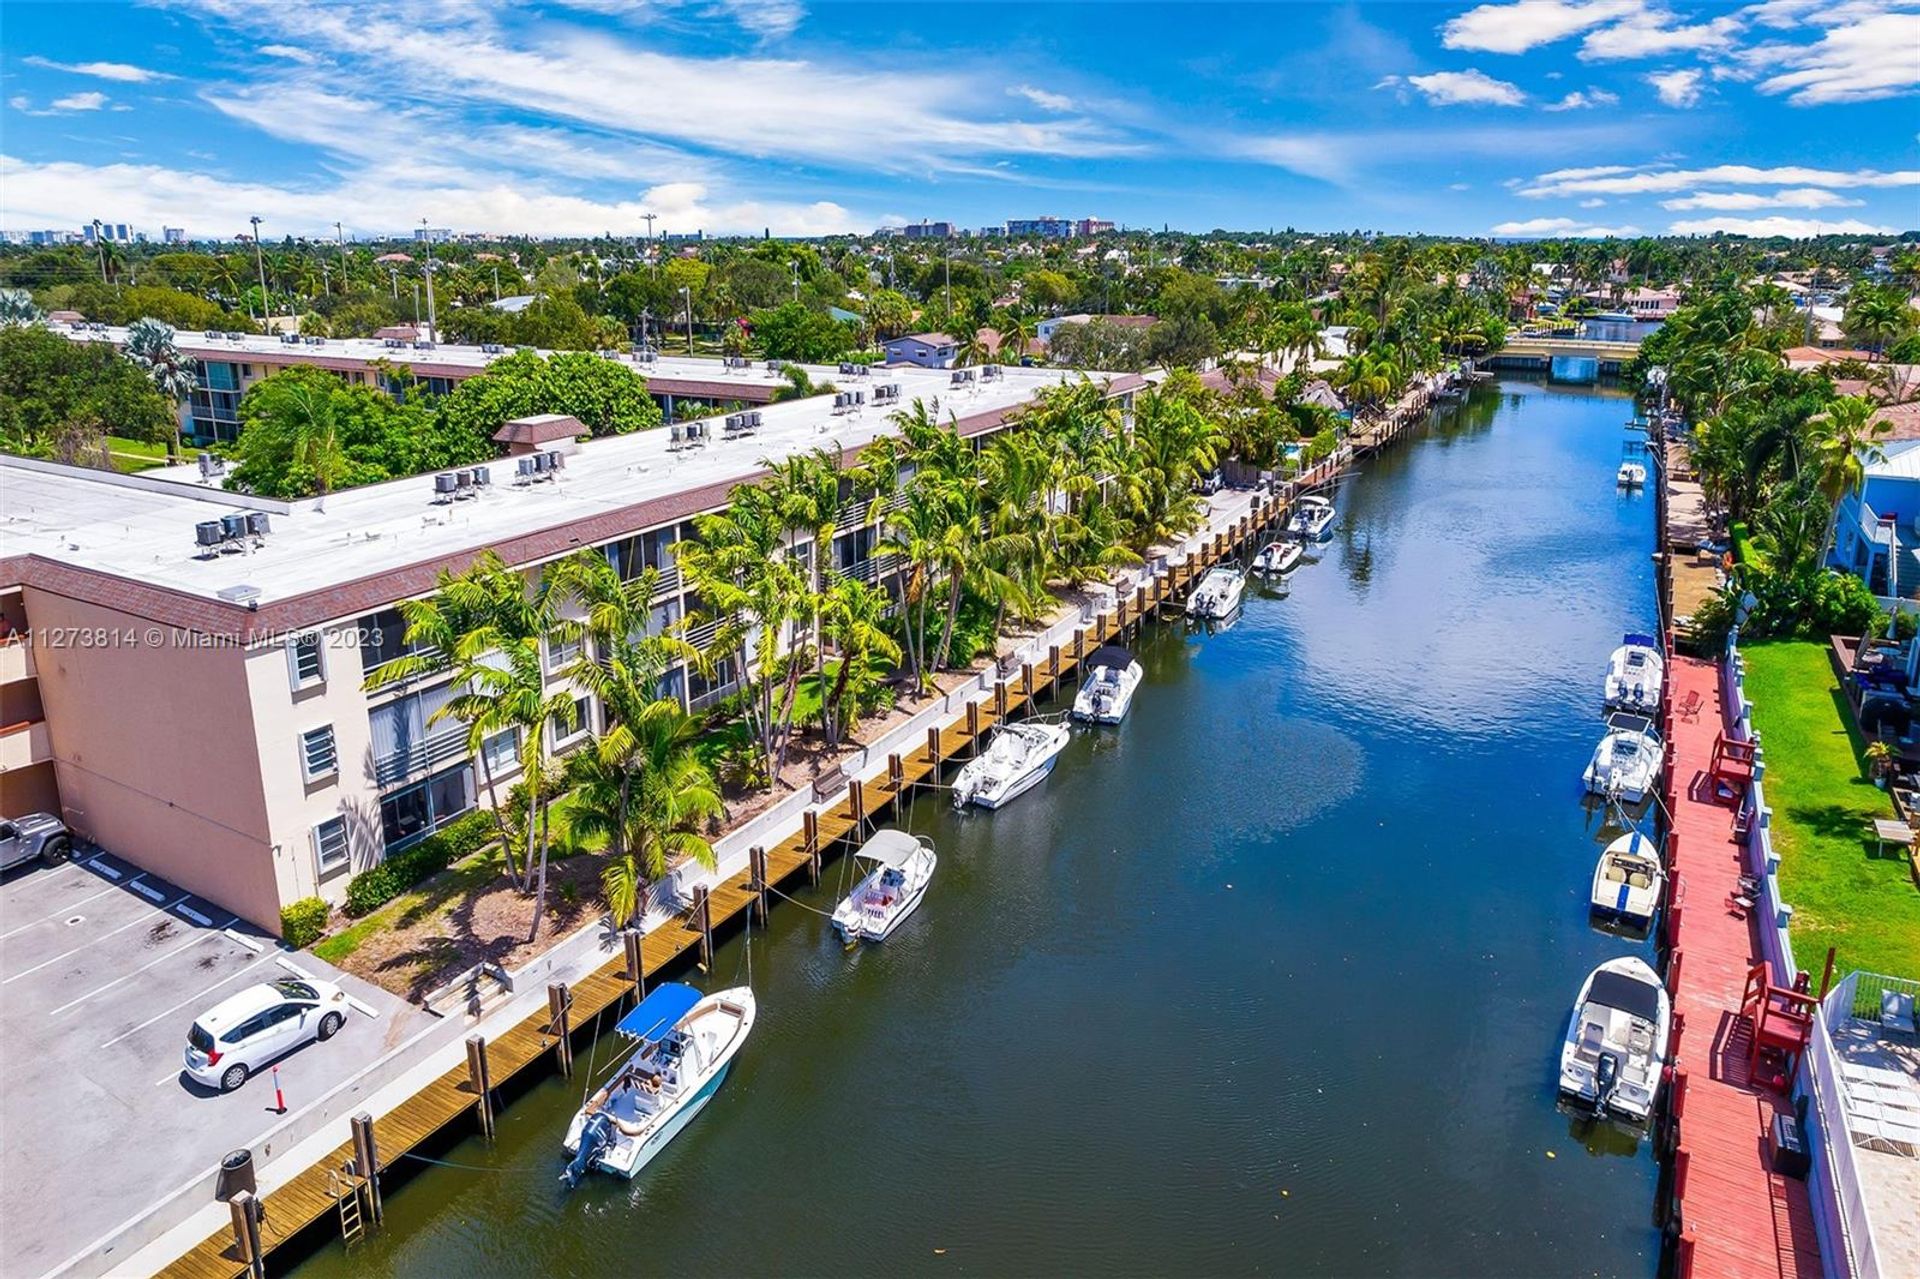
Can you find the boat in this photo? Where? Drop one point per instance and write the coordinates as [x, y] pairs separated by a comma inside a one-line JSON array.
[[1610, 317], [686, 1044], [1635, 675], [1015, 761], [1218, 594], [1279, 557], [1616, 1043], [1108, 690], [1631, 475], [1626, 763], [1628, 880], [902, 868], [1311, 518]]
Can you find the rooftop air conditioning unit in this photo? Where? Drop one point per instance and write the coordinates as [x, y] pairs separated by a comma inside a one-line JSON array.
[[213, 333], [492, 348], [207, 533], [483, 477], [445, 484], [233, 526], [394, 344], [257, 523], [542, 463], [557, 460], [423, 346], [289, 339], [523, 469]]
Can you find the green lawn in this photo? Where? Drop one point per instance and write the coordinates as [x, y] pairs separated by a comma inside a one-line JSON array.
[[143, 455], [1816, 782]]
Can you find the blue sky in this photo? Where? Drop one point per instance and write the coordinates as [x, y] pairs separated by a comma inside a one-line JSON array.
[[1512, 117]]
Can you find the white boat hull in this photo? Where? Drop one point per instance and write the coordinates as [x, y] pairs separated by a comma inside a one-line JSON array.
[[1103, 702], [1636, 674], [1635, 1040], [997, 778], [856, 922], [1017, 788], [1628, 881], [1217, 595], [1279, 557]]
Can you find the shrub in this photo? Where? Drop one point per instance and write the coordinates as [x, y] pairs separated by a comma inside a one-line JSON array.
[[378, 885], [302, 922]]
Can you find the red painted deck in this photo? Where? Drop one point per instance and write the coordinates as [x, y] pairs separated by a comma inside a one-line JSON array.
[[1741, 1219]]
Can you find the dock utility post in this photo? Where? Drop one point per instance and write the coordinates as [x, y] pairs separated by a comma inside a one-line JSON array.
[[757, 878], [366, 1158], [246, 1233], [701, 916], [810, 833], [559, 1005], [481, 1082]]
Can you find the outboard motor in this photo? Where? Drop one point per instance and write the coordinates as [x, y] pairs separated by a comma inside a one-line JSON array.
[[595, 1135], [1605, 1076]]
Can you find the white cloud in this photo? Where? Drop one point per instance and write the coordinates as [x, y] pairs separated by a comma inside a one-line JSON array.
[[1525, 24], [89, 101], [1459, 186], [1625, 180], [1565, 228], [1466, 88], [1042, 98], [1793, 228], [1875, 57], [1585, 99], [63, 192], [291, 52], [1792, 198], [1676, 88], [120, 71], [1595, 203], [767, 18], [1651, 36]]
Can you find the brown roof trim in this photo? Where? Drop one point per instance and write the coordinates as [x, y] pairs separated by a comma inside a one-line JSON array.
[[544, 428]]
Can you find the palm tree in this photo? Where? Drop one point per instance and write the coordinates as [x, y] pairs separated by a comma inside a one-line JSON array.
[[853, 619], [17, 308], [514, 685], [666, 797], [150, 345], [294, 410], [1845, 442], [1877, 317]]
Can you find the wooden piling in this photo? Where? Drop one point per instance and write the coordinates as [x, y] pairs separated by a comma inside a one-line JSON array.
[[481, 1081], [810, 833], [559, 1004], [1026, 681], [634, 942], [702, 920], [973, 728], [246, 1233], [757, 877], [1053, 669], [1000, 699], [857, 799], [896, 773], [366, 1158]]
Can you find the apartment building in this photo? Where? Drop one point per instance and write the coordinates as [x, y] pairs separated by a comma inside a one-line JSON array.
[[228, 364], [188, 667]]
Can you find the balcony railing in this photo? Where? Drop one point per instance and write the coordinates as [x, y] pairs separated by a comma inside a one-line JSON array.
[[422, 756]]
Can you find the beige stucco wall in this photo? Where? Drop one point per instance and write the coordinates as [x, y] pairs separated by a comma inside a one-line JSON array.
[[155, 751]]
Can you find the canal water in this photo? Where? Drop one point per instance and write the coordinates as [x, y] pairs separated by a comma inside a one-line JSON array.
[[1271, 979]]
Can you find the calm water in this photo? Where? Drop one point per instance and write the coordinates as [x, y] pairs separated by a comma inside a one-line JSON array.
[[1270, 980]]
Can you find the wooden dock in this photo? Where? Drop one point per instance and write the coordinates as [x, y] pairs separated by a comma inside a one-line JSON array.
[[1733, 1217], [336, 1189]]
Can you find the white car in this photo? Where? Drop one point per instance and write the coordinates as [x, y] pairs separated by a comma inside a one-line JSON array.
[[259, 1026]]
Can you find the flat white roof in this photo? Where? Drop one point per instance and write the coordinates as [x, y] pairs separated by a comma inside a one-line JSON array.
[[142, 527]]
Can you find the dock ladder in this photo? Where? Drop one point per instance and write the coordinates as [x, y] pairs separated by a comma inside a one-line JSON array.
[[348, 1188]]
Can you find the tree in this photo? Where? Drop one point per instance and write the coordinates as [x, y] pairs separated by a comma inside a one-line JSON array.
[[791, 331], [1877, 317], [659, 802], [608, 398], [889, 312], [61, 398], [289, 443], [1845, 440], [853, 620], [17, 308], [150, 345]]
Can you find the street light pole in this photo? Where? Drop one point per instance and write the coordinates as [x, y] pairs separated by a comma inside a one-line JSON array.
[[796, 280], [100, 243], [648, 219], [340, 240], [260, 263], [432, 319]]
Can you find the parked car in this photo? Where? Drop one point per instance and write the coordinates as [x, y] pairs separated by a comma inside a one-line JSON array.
[[259, 1026], [39, 835]]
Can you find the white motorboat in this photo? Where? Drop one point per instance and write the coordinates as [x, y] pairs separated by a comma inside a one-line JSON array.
[[687, 1044], [1279, 557], [1616, 1043], [1217, 594], [1626, 763], [1635, 675], [1628, 880], [1112, 675], [1631, 475], [1311, 518], [902, 868], [1015, 761]]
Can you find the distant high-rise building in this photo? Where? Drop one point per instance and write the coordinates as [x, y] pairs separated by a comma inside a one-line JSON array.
[[111, 232], [1092, 226], [432, 234], [1057, 228], [173, 235], [928, 230]]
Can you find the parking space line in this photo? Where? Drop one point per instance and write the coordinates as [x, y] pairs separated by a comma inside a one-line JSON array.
[[110, 888], [304, 975], [125, 977], [125, 1034], [89, 945]]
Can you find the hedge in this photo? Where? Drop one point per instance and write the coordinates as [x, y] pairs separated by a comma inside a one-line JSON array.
[[302, 922], [378, 885]]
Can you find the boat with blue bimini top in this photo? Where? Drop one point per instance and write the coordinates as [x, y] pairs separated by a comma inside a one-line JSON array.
[[687, 1043]]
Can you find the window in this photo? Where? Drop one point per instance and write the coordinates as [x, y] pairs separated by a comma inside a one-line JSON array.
[[566, 730], [561, 653], [414, 810], [318, 756], [306, 659], [330, 846], [501, 752], [383, 637]]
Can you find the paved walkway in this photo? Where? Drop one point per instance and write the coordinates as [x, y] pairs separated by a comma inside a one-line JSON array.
[[1743, 1219]]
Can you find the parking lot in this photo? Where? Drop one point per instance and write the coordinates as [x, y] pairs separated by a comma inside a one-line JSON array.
[[102, 971]]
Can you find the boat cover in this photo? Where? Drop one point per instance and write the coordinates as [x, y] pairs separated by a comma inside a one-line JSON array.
[[1110, 655], [1621, 722], [1630, 995], [891, 848], [660, 1011], [1642, 641]]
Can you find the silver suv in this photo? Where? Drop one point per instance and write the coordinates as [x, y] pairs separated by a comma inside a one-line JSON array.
[[40, 835]]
